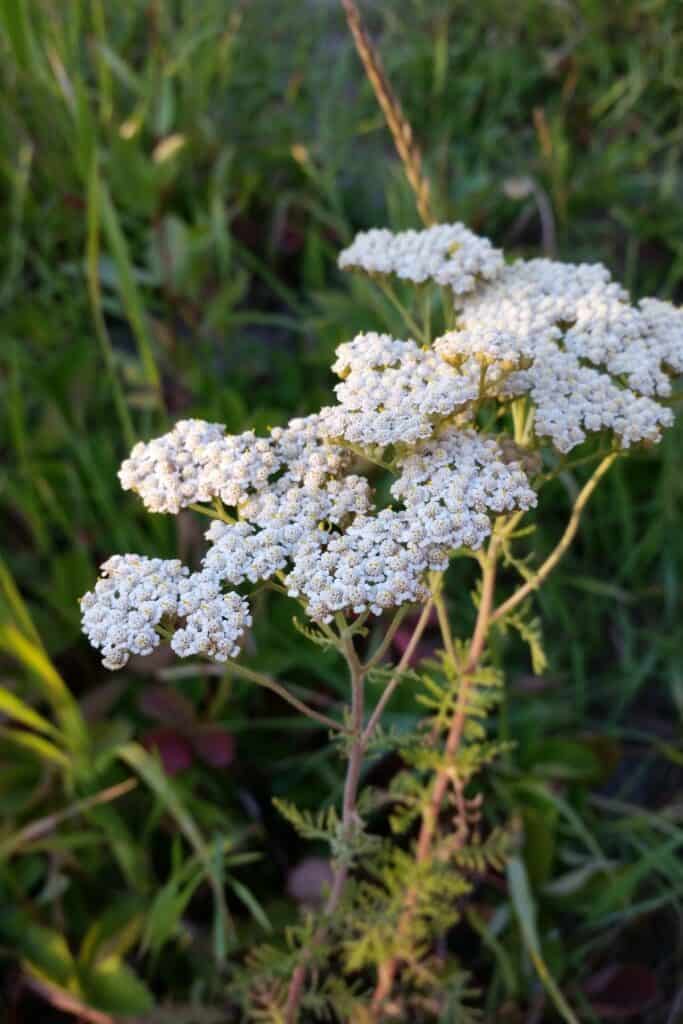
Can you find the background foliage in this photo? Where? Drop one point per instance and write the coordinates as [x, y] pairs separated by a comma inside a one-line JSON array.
[[178, 178]]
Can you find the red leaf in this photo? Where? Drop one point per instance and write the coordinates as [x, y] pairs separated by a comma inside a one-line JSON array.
[[621, 990], [174, 750], [214, 745]]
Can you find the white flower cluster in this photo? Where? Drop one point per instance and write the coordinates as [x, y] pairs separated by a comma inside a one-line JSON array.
[[308, 458], [196, 462], [454, 481], [295, 509], [239, 552], [449, 254], [377, 563], [564, 335], [214, 621], [523, 311], [665, 322], [449, 485], [121, 614], [540, 323], [572, 400], [393, 392]]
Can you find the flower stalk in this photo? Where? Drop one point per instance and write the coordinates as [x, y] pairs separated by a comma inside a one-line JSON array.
[[430, 815], [349, 819], [360, 737]]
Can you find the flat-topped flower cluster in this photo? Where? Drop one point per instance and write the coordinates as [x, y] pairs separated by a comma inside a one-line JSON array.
[[295, 506]]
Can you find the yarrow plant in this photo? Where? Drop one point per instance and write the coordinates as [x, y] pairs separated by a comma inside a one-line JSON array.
[[510, 368]]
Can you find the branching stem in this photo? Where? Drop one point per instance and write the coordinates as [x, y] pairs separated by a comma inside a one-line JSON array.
[[349, 819], [486, 617], [215, 511], [359, 741], [400, 669], [430, 817], [567, 537]]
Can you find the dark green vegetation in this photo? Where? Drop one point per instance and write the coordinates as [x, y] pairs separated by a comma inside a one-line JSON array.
[[178, 178]]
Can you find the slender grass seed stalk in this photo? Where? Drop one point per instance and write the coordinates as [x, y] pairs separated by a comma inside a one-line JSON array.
[[399, 126]]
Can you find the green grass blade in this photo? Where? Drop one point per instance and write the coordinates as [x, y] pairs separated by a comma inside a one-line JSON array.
[[17, 26], [20, 639], [105, 89], [14, 707], [11, 602], [150, 770], [34, 659], [95, 293], [45, 750], [128, 290], [525, 911]]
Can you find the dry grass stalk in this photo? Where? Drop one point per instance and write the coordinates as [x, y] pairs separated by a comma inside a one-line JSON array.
[[67, 1003], [399, 126]]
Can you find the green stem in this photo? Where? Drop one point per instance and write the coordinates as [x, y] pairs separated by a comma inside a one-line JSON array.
[[567, 537], [388, 637], [214, 513], [272, 684], [409, 320], [400, 669], [444, 624], [427, 316], [447, 307], [349, 816]]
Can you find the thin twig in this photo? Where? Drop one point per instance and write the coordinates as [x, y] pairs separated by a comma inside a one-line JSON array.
[[267, 682], [399, 126], [400, 668], [393, 298], [271, 684], [384, 646], [349, 816], [67, 1003], [444, 625], [486, 617], [567, 537], [457, 725], [349, 821], [37, 829]]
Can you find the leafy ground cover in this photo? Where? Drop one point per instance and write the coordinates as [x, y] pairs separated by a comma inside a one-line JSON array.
[[178, 179]]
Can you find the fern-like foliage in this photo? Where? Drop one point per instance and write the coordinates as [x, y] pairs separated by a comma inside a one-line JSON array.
[[383, 674], [520, 565], [325, 826], [321, 825], [260, 985], [375, 908], [346, 948], [530, 630], [479, 855], [448, 690], [314, 634]]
